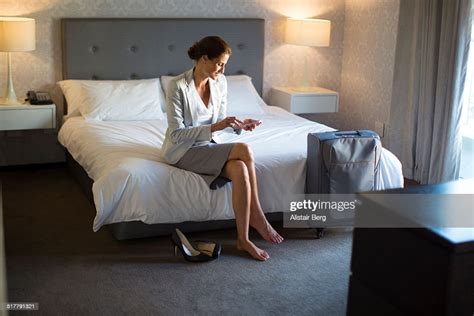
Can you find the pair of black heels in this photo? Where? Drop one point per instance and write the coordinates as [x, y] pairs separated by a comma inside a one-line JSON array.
[[201, 251]]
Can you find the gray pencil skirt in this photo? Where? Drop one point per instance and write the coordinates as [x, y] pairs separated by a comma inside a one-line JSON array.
[[207, 160]]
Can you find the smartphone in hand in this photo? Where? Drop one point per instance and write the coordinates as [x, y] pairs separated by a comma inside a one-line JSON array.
[[256, 122], [250, 124]]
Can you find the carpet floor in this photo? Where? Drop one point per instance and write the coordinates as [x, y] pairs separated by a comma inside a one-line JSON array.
[[54, 259]]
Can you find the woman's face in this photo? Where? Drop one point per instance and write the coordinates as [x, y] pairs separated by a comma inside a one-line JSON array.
[[216, 66]]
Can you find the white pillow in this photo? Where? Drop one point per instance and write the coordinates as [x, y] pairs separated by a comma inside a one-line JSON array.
[[109, 100], [242, 97]]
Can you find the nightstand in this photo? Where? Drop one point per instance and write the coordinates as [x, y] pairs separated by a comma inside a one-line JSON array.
[[314, 100], [23, 117]]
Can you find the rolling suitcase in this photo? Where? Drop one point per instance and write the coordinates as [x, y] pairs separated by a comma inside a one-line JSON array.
[[342, 162]]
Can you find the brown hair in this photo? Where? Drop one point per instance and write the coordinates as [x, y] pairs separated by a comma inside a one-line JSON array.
[[212, 46]]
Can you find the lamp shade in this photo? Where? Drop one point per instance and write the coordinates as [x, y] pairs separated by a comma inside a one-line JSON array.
[[308, 32], [17, 34]]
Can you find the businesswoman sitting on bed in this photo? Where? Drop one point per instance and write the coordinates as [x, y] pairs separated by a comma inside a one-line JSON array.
[[196, 109]]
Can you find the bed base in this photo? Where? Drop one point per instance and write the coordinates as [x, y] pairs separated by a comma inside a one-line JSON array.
[[138, 229]]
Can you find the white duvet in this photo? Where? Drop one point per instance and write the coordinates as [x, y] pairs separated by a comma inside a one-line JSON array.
[[131, 183]]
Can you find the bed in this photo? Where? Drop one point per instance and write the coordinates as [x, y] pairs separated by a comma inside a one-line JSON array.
[[118, 163]]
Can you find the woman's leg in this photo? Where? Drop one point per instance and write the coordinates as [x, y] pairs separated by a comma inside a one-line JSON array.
[[236, 171], [242, 152]]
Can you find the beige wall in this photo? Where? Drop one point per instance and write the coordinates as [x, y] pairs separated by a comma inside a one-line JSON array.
[[370, 35], [39, 70], [369, 55]]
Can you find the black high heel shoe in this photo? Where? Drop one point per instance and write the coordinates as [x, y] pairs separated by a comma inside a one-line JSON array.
[[187, 250], [210, 248]]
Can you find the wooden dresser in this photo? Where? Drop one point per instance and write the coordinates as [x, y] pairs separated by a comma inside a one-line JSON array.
[[414, 271]]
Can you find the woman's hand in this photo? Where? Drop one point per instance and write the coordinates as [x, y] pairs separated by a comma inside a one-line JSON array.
[[250, 124], [230, 121]]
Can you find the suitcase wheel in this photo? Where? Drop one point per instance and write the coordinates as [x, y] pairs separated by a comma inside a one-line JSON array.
[[319, 233]]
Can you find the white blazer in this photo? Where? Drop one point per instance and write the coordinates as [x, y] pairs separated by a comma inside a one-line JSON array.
[[181, 112]]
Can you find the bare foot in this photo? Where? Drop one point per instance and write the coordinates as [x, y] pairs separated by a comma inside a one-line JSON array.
[[253, 250], [268, 232]]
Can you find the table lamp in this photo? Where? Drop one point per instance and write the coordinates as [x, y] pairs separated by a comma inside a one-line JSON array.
[[308, 32], [16, 35]]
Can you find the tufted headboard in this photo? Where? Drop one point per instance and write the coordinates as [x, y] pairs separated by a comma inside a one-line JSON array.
[[135, 48]]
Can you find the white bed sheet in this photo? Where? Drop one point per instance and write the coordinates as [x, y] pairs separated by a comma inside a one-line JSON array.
[[132, 183]]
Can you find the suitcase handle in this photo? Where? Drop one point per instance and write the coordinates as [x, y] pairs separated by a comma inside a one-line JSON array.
[[353, 133], [324, 136]]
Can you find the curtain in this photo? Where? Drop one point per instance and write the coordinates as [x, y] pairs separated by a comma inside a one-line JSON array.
[[429, 74]]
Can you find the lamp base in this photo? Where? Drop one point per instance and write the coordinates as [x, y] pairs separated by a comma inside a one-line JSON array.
[[7, 102], [10, 95]]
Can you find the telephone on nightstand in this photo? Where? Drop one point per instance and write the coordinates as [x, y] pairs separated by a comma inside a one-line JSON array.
[[39, 98]]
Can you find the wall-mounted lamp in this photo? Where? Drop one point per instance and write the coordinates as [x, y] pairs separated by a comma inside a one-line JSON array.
[[16, 35], [308, 32]]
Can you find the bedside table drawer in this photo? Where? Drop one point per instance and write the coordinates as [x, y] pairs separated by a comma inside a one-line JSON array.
[[27, 117], [310, 104]]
